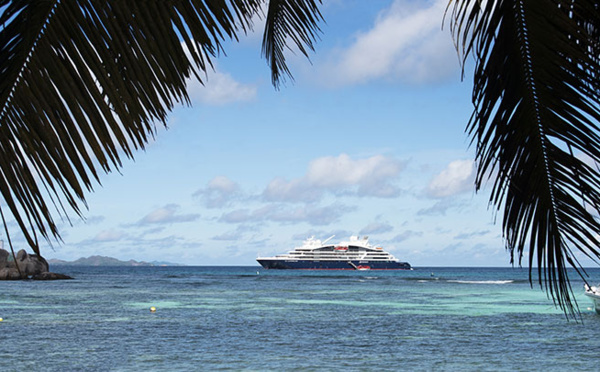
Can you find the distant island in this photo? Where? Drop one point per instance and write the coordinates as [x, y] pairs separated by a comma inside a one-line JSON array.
[[107, 261]]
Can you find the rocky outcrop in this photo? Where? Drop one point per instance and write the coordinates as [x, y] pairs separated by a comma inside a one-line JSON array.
[[25, 266], [9, 274], [50, 276]]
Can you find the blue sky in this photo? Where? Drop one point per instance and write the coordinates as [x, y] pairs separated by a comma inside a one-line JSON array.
[[368, 140]]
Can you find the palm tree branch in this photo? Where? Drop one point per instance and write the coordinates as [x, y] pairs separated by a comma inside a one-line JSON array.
[[296, 20], [535, 98], [83, 83]]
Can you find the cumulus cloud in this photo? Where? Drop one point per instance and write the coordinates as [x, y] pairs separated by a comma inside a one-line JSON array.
[[457, 178], [371, 175], [167, 214], [298, 190], [109, 236], [220, 89], [342, 174], [406, 43], [220, 192]]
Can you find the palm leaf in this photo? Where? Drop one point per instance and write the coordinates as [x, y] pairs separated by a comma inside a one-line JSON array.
[[289, 20], [536, 115], [82, 84]]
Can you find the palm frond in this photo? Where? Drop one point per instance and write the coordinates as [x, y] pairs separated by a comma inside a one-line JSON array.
[[294, 20], [83, 83], [536, 117]]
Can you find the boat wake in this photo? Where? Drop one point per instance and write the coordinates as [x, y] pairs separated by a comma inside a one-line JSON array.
[[482, 281]]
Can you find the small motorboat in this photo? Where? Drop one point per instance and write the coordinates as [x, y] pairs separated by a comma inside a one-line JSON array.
[[593, 293]]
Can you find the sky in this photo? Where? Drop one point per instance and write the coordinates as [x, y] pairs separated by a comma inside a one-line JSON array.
[[369, 139]]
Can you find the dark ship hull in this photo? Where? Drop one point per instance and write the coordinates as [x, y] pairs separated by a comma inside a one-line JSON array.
[[333, 265]]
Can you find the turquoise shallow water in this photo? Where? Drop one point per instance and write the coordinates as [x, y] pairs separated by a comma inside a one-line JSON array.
[[245, 318]]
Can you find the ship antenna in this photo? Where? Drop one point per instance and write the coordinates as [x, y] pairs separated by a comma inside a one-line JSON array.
[[328, 239]]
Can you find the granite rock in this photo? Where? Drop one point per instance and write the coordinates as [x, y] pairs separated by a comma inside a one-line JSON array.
[[3, 258], [29, 265], [50, 276], [7, 273]]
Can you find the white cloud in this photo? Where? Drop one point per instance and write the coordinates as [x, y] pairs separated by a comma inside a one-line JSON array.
[[406, 43], [297, 190], [237, 216], [224, 184], [341, 171], [342, 174], [220, 89], [167, 214], [220, 192], [109, 236], [458, 177]]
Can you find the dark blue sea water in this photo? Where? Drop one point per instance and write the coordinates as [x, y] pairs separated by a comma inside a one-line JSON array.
[[248, 319]]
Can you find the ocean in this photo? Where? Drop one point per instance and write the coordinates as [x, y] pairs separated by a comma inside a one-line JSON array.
[[250, 319]]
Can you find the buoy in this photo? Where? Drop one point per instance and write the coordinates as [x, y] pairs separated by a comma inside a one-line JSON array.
[[152, 309], [1, 319]]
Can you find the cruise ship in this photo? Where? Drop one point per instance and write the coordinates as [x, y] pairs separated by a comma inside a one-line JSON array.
[[355, 254]]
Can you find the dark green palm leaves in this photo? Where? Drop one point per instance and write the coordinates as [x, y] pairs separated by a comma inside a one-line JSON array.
[[82, 83], [536, 126], [295, 21]]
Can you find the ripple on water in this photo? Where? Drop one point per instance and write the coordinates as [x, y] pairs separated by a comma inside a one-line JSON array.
[[470, 319]]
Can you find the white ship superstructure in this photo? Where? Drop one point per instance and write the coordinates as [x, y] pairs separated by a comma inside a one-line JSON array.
[[355, 253]]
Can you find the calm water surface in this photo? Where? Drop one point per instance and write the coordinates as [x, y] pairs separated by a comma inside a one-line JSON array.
[[245, 318]]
